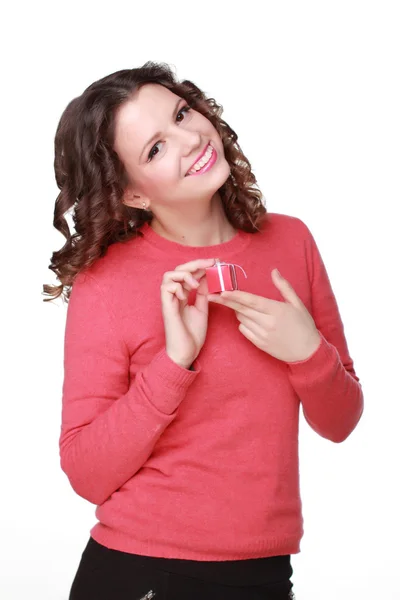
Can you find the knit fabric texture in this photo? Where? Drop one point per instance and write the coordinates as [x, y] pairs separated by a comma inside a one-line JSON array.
[[198, 464]]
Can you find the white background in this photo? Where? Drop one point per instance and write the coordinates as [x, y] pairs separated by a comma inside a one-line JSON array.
[[312, 89]]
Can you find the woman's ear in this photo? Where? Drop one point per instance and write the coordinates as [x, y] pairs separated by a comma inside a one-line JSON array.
[[130, 198]]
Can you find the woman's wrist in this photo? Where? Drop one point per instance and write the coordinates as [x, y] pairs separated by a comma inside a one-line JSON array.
[[185, 364]]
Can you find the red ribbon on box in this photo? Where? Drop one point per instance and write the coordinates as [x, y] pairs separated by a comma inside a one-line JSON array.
[[222, 277]]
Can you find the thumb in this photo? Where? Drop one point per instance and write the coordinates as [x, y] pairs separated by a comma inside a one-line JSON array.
[[285, 288]]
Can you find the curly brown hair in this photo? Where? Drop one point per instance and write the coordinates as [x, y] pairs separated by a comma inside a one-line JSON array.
[[92, 178]]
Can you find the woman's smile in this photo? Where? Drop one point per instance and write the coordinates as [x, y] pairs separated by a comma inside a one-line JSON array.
[[204, 163]]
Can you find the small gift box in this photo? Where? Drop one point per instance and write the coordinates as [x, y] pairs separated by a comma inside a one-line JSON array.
[[222, 277]]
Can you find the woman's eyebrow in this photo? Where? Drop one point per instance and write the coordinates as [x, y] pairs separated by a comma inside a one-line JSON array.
[[159, 134]]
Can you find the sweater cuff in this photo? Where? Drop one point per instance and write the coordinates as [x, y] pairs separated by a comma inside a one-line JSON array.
[[169, 381], [317, 366], [172, 373]]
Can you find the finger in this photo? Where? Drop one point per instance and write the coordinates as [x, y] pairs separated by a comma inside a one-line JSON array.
[[259, 303], [201, 303], [241, 308], [254, 326], [199, 274], [287, 290], [181, 293], [174, 289], [180, 276], [177, 284], [249, 334]]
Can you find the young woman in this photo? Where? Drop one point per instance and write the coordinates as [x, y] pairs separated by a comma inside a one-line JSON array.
[[180, 407]]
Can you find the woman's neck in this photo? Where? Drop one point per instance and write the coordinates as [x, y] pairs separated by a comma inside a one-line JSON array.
[[212, 229]]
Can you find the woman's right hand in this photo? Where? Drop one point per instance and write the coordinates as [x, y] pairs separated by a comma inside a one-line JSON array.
[[185, 326]]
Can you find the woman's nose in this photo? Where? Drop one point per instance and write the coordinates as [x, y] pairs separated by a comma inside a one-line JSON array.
[[189, 141]]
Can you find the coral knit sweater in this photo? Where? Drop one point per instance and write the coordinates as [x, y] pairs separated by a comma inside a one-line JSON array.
[[200, 465]]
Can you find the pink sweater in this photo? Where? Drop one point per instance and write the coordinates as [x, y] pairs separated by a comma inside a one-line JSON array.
[[203, 464]]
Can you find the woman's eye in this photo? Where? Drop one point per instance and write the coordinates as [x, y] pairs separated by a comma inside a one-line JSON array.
[[184, 109], [151, 151]]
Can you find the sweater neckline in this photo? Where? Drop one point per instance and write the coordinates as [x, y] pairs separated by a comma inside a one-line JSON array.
[[236, 244]]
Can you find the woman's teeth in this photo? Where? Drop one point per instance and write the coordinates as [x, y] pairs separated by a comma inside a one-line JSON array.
[[203, 161]]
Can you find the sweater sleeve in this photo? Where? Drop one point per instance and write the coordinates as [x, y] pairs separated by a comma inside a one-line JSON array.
[[326, 382], [110, 424]]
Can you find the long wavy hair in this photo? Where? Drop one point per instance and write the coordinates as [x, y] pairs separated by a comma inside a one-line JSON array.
[[92, 179]]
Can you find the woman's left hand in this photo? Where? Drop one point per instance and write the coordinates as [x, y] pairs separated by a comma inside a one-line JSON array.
[[285, 330]]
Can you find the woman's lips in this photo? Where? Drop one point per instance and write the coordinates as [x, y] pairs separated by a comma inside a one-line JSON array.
[[208, 164], [199, 157]]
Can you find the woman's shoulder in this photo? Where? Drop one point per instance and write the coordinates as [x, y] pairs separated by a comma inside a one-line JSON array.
[[119, 259], [283, 218], [284, 225]]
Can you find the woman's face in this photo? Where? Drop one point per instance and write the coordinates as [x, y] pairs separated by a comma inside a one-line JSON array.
[[158, 138]]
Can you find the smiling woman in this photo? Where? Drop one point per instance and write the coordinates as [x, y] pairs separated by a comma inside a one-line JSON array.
[[161, 173], [180, 409], [126, 151]]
